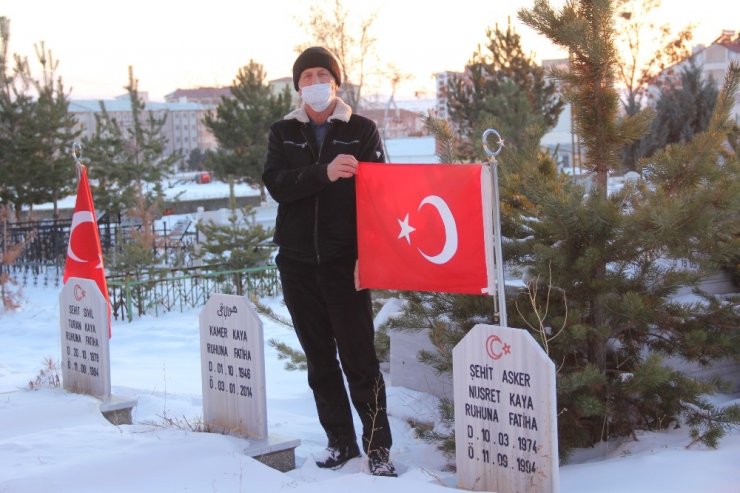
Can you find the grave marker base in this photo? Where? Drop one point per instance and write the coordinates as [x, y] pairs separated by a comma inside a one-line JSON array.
[[118, 409], [275, 452]]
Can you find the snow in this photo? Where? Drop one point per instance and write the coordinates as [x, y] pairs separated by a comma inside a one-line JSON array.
[[52, 440]]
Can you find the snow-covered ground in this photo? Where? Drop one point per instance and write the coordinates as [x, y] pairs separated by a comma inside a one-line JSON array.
[[51, 440]]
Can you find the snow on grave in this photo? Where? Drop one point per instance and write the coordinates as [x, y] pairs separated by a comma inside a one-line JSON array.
[[233, 379]]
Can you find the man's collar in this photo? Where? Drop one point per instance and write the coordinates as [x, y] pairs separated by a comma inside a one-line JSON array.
[[342, 112]]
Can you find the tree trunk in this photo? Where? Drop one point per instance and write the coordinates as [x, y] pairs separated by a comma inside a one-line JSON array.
[[597, 343]]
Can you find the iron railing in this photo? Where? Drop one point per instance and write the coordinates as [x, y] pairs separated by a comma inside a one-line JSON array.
[[35, 274], [159, 291], [45, 242], [163, 292]]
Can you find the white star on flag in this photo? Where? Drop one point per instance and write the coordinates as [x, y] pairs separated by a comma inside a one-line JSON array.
[[406, 229]]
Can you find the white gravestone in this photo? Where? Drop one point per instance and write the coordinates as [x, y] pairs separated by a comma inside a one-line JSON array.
[[233, 367], [408, 371], [505, 416], [85, 328]]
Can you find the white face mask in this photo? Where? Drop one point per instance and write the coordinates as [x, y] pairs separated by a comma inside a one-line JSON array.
[[318, 96]]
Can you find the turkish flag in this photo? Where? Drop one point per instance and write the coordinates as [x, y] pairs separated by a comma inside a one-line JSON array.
[[425, 227], [84, 253]]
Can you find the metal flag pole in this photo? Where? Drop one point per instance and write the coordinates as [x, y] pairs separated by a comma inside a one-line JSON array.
[[499, 300], [77, 156]]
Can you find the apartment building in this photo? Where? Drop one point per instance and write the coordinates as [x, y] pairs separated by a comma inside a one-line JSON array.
[[444, 79], [184, 129], [185, 111]]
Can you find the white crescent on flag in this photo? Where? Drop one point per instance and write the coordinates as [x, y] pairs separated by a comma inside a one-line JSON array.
[[77, 219], [450, 246], [448, 220]]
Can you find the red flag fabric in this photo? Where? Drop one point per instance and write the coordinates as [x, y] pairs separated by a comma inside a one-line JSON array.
[[425, 227], [84, 253]]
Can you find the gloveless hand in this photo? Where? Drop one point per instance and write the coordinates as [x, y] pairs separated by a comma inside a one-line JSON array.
[[342, 166]]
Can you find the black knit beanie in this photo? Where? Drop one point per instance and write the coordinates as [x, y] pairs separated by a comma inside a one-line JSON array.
[[316, 56]]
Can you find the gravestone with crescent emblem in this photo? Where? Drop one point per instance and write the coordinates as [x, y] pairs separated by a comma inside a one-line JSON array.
[[84, 328], [233, 379], [505, 416]]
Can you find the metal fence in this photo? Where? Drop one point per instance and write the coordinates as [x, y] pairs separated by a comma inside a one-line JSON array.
[[156, 292], [145, 292], [33, 274], [180, 289], [45, 242]]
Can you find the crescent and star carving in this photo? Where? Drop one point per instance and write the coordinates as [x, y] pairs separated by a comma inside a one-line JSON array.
[[496, 348], [448, 220]]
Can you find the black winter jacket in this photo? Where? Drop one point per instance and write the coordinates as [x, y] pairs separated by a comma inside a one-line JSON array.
[[316, 219]]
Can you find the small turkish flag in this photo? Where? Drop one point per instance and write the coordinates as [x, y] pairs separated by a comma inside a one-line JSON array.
[[425, 227], [84, 253]]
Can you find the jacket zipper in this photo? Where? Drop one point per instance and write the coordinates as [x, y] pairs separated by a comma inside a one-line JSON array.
[[316, 204], [316, 228]]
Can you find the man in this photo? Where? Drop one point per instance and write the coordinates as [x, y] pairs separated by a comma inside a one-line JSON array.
[[311, 162]]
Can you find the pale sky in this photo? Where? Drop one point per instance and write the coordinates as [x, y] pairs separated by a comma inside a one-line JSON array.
[[182, 44]]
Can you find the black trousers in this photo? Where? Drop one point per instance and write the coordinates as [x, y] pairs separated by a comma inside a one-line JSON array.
[[331, 317]]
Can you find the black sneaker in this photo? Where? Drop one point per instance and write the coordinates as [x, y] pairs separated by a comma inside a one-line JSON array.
[[380, 464], [336, 457]]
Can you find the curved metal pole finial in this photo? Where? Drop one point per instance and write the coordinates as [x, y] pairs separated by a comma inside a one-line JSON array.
[[77, 152], [77, 156], [500, 143]]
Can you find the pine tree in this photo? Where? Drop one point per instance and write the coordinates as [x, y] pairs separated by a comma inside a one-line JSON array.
[[603, 269], [242, 124], [16, 143], [13, 114], [635, 70], [36, 133], [504, 88], [682, 110], [104, 152], [56, 131], [128, 162], [239, 244], [609, 264]]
